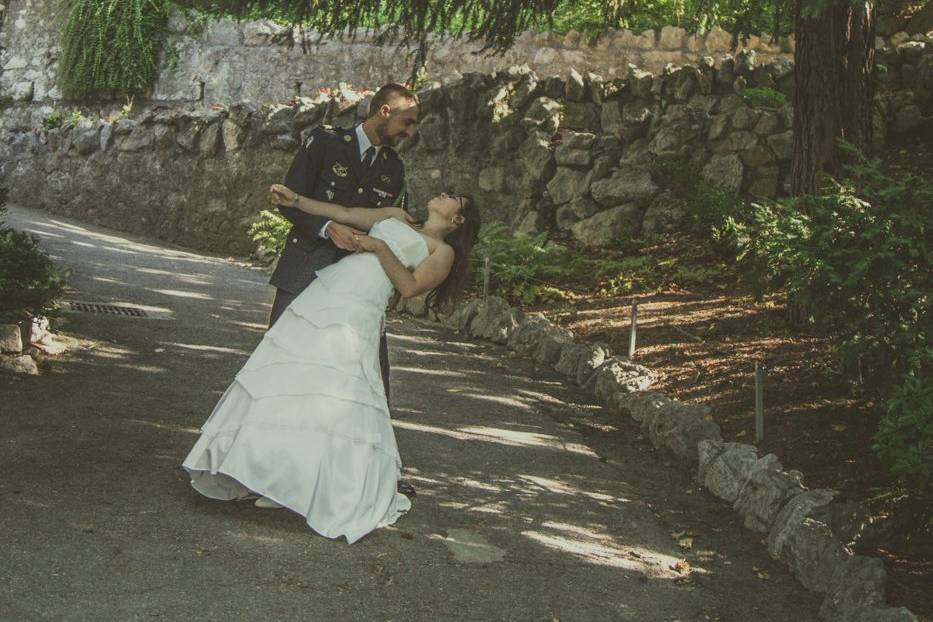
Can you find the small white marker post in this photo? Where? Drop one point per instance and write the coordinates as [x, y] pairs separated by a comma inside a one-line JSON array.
[[486, 279], [759, 403], [632, 331]]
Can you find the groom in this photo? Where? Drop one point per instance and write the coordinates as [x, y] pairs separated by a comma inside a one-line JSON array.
[[354, 167]]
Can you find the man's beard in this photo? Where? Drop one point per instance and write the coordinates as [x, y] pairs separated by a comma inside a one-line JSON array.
[[385, 138]]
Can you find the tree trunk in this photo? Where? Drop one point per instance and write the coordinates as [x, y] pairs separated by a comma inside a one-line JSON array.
[[833, 88]]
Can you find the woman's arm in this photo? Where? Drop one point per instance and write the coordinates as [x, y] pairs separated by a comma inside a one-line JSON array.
[[426, 276], [362, 218]]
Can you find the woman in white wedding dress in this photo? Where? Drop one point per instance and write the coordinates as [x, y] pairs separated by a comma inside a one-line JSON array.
[[305, 424]]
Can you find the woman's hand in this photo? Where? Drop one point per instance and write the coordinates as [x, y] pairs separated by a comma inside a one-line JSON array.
[[282, 195], [367, 243]]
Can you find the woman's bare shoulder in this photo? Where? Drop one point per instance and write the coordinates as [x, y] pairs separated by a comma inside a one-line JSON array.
[[443, 252]]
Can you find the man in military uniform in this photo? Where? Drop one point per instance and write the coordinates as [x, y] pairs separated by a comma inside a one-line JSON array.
[[355, 167]]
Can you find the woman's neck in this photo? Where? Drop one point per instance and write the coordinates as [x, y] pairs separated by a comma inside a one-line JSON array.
[[435, 228]]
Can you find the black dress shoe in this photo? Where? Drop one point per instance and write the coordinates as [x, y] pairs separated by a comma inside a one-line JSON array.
[[406, 489]]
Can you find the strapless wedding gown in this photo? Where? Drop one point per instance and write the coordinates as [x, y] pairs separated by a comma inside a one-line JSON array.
[[305, 422]]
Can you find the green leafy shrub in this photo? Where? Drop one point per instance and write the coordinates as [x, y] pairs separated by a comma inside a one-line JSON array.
[[269, 233], [53, 120], [624, 276], [762, 97], [525, 268], [766, 240], [905, 433], [858, 261], [111, 47], [30, 284], [709, 204]]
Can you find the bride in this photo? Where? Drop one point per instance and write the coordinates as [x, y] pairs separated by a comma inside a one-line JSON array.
[[305, 424]]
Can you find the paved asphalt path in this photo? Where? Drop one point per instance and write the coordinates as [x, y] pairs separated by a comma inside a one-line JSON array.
[[533, 503]]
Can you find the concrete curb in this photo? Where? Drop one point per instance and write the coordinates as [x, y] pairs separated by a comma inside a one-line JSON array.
[[804, 528]]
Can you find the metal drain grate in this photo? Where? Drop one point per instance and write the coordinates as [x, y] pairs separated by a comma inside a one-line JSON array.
[[105, 309]]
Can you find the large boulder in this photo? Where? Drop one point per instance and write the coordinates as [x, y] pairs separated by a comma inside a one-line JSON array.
[[627, 185], [574, 149], [619, 375], [19, 364], [11, 339], [568, 184], [857, 594], [544, 113], [551, 343], [665, 214], [605, 227], [680, 427], [578, 361], [571, 213], [724, 468], [726, 170], [461, 318], [532, 163], [766, 492], [673, 139], [581, 116], [495, 320], [529, 332]]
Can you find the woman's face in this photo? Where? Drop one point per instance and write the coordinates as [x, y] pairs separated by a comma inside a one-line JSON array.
[[446, 205]]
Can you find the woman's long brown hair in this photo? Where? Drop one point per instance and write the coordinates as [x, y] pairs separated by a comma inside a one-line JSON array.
[[461, 240]]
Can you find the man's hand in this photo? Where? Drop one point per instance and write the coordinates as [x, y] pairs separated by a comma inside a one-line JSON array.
[[282, 195], [342, 236]]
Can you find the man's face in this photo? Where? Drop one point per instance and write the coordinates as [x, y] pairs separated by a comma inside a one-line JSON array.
[[399, 121]]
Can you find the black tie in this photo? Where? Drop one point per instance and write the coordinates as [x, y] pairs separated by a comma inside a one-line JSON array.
[[368, 156]]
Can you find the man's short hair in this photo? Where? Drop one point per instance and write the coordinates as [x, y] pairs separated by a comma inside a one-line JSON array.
[[388, 92]]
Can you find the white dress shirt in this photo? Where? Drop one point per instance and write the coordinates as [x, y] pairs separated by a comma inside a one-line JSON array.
[[364, 143]]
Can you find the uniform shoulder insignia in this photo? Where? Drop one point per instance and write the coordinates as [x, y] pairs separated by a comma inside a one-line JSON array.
[[320, 133], [323, 130]]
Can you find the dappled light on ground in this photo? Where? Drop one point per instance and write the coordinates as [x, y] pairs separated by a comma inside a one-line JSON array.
[[206, 348], [183, 294], [164, 426], [601, 550], [499, 436]]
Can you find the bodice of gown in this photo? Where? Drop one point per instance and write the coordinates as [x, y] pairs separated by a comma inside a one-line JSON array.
[[361, 275]]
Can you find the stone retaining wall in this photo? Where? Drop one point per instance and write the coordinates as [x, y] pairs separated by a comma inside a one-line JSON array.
[[566, 153]]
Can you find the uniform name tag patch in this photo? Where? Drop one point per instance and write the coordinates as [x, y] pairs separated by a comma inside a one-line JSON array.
[[383, 194]]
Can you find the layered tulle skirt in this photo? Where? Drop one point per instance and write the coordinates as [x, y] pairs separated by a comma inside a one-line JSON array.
[[305, 422]]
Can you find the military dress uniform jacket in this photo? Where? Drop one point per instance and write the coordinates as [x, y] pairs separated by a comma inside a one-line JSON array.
[[328, 168]]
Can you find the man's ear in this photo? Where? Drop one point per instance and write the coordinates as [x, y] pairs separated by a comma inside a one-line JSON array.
[[385, 110]]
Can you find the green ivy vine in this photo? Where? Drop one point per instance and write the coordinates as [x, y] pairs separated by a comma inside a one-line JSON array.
[[111, 47]]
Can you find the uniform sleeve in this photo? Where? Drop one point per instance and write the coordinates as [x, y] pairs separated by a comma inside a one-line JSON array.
[[302, 177]]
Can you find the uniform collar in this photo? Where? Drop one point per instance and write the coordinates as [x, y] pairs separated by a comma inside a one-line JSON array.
[[363, 141]]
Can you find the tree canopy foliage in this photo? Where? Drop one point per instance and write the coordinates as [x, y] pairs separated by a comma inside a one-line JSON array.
[[498, 22]]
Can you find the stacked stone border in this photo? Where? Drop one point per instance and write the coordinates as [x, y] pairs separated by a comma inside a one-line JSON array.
[[808, 530], [25, 346]]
